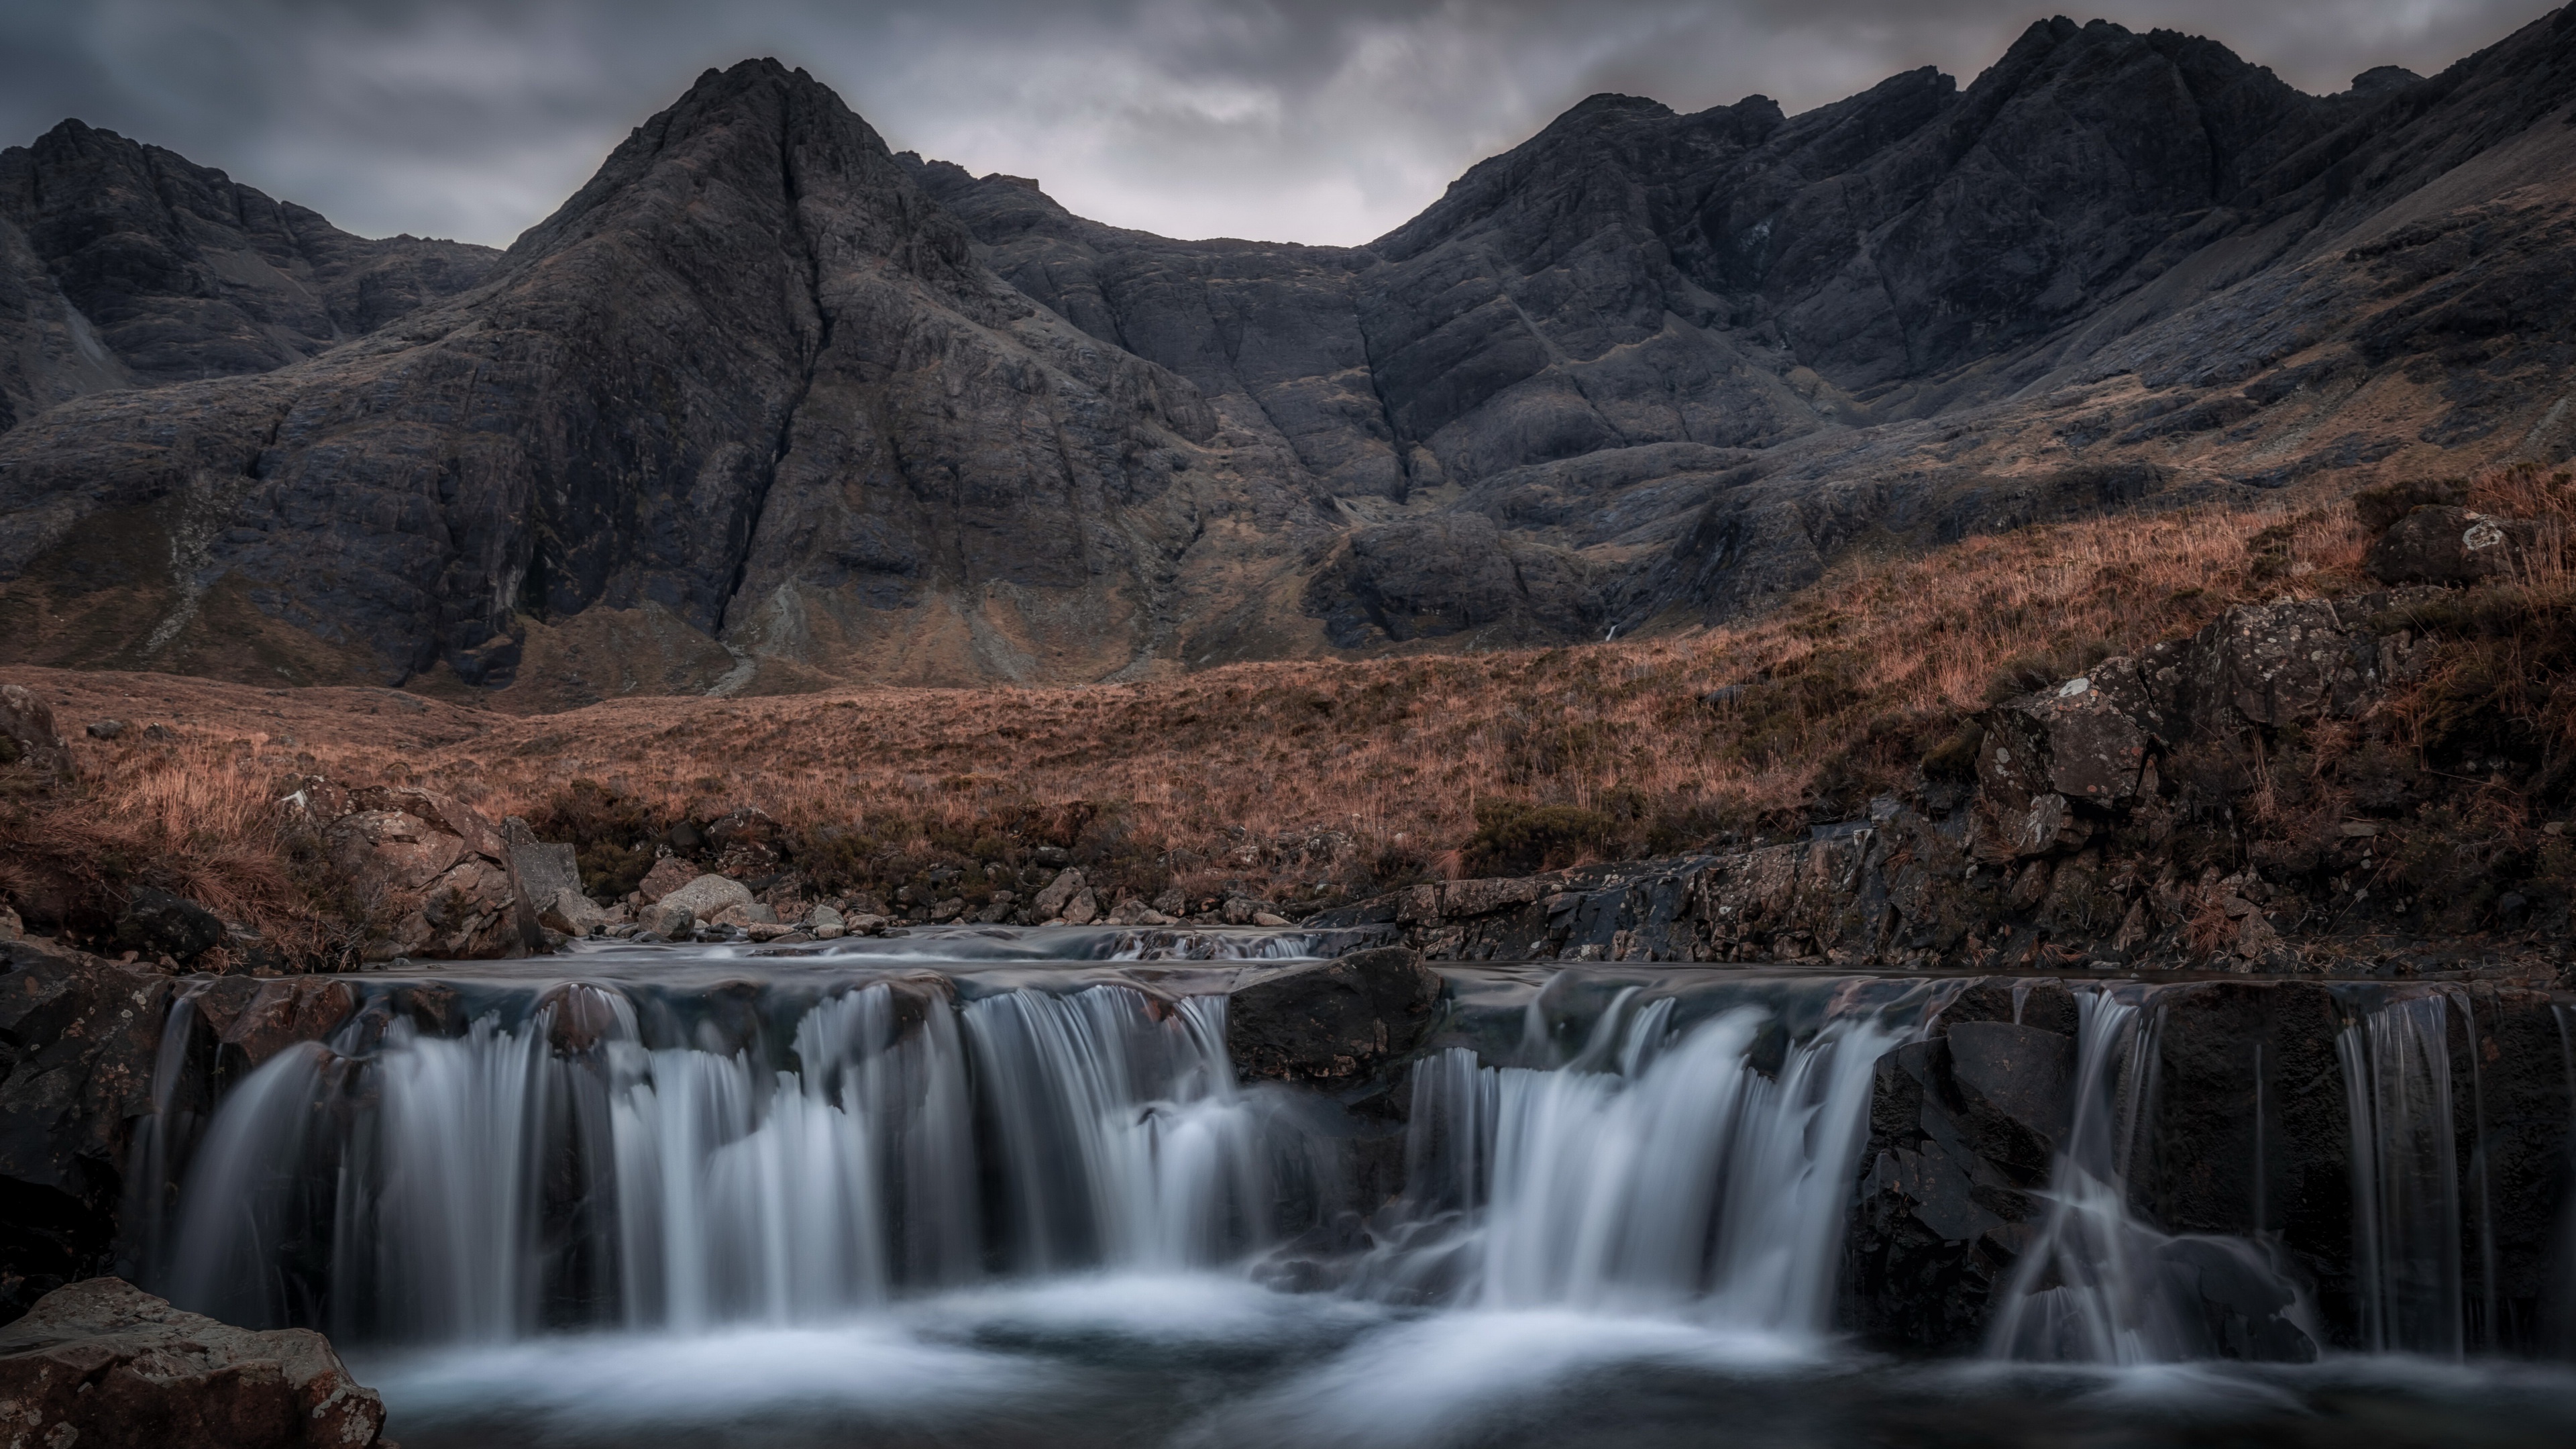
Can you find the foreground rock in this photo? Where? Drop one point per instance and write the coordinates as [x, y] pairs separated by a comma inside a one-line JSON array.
[[77, 1041], [104, 1365], [551, 876], [1335, 1025]]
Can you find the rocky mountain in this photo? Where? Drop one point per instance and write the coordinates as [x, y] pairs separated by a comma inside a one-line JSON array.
[[123, 264], [767, 406]]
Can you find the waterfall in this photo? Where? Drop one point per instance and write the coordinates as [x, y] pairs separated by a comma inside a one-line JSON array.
[[747, 1193], [480, 1187], [1658, 1172], [1132, 1147], [2097, 1285], [2405, 1177]]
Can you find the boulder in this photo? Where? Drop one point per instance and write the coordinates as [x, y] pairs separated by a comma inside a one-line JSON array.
[[1083, 909], [551, 874], [78, 1037], [27, 734], [1335, 1024], [667, 875], [670, 922], [2085, 739], [826, 924], [746, 842], [1056, 895], [709, 896], [11, 928], [157, 923], [434, 873], [105, 1365], [2447, 545], [105, 729]]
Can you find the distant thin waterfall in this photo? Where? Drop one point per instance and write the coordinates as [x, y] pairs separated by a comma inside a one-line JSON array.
[[1659, 1172], [2405, 1177], [2097, 1284]]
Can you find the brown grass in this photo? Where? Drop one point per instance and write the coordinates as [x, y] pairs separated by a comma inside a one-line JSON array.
[[1276, 778]]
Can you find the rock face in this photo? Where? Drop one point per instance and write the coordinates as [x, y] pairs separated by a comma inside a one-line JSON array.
[[103, 1363], [750, 377], [2234, 1125], [179, 273], [77, 1042], [429, 864], [765, 406], [1336, 1025], [1677, 362], [2044, 857]]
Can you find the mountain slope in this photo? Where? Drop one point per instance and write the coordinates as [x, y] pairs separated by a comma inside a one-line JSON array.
[[749, 381], [122, 263], [765, 405], [1683, 360]]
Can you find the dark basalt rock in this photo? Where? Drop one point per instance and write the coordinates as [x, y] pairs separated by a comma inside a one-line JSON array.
[[1336, 1025], [2448, 545], [157, 923], [106, 1365], [159, 270], [77, 1042]]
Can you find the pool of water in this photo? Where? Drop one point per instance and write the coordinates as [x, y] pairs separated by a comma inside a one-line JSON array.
[[1199, 1361]]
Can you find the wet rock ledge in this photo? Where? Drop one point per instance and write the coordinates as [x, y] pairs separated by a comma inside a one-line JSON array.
[[102, 1364]]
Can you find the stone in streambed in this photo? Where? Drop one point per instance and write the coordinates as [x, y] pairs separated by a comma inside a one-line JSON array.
[[105, 1365], [709, 896], [667, 875], [668, 921], [1334, 1024]]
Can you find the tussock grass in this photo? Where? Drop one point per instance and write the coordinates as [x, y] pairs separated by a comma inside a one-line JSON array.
[[1298, 780]]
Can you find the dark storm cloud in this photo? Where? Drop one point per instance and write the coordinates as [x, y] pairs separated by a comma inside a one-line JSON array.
[[1312, 120]]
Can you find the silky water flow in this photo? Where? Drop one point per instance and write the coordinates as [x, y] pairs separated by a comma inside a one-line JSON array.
[[610, 1178]]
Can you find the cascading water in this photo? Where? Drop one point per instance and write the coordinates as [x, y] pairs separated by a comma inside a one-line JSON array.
[[479, 1187], [2099, 1286], [817, 1195], [1659, 1172], [2406, 1195], [1129, 1144]]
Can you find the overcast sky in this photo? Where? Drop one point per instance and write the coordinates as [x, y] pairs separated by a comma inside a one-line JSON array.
[[1300, 120]]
